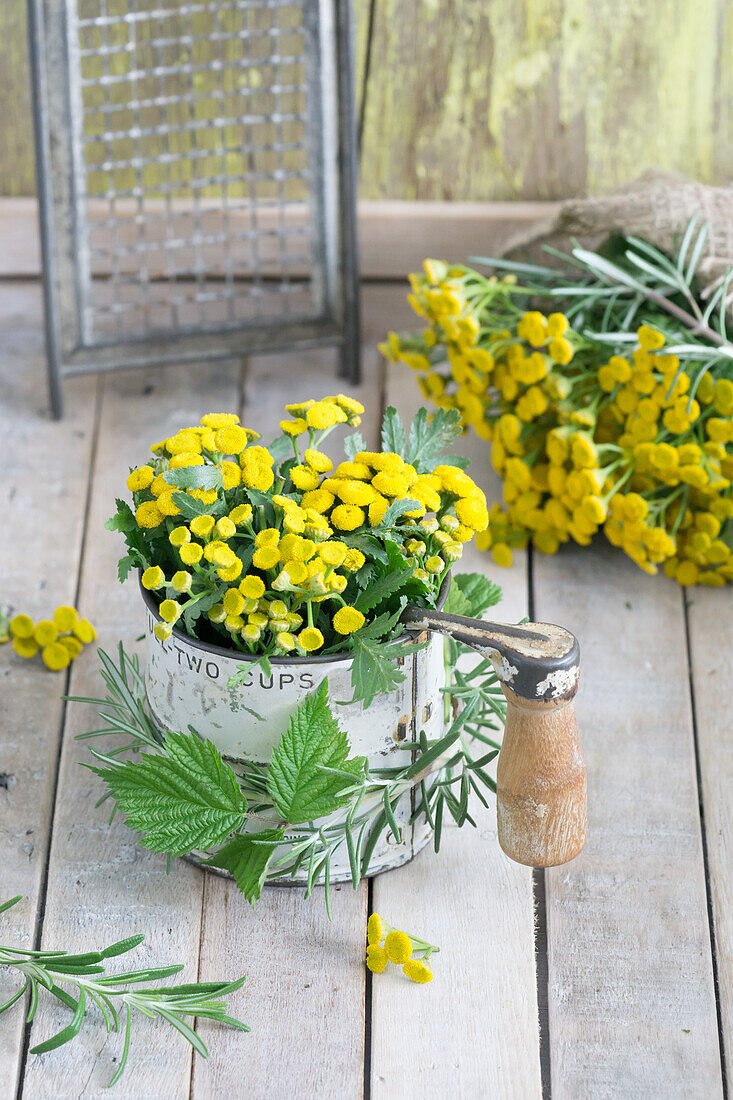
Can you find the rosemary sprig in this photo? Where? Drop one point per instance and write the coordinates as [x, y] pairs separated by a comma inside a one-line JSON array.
[[606, 293], [54, 971]]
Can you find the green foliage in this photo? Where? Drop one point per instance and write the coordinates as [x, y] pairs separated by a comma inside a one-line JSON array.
[[374, 671], [183, 798], [471, 594], [393, 432], [194, 477], [313, 799], [353, 444], [310, 767], [54, 971], [138, 554], [189, 507], [247, 857], [430, 435], [385, 585]]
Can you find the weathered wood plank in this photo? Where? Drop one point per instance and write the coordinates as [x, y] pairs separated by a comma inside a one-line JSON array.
[[17, 175], [471, 900], [711, 642], [44, 487], [469, 100], [102, 885], [631, 998], [304, 997], [296, 957], [394, 237]]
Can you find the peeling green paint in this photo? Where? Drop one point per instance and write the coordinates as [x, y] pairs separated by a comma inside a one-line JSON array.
[[540, 99], [504, 99]]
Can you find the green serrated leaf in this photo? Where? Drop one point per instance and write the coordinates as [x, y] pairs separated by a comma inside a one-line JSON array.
[[381, 627], [189, 507], [471, 594], [353, 444], [195, 477], [428, 437], [247, 857], [384, 586], [398, 508], [124, 567], [299, 787], [373, 673], [393, 432], [188, 798], [367, 544], [192, 612], [123, 520]]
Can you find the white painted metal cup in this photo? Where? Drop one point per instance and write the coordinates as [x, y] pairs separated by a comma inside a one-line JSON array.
[[187, 684]]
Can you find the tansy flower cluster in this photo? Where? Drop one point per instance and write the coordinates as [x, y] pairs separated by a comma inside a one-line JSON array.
[[584, 440], [386, 944], [275, 550], [59, 640]]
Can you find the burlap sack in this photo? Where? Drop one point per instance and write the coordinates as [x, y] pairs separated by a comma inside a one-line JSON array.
[[657, 207]]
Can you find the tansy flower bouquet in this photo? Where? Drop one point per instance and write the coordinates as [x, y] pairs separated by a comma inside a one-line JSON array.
[[614, 414], [271, 551]]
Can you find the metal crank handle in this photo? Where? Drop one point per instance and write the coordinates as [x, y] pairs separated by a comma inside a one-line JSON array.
[[541, 780]]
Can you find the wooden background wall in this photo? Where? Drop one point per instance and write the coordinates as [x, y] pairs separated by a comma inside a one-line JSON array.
[[502, 99]]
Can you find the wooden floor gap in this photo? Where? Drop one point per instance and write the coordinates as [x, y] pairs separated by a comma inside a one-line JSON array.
[[367, 1091], [542, 968], [540, 914], [43, 885], [705, 860]]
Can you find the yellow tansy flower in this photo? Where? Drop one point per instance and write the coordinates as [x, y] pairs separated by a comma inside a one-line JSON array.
[[55, 656], [170, 611], [348, 620], [84, 631], [25, 647], [152, 578], [148, 514], [417, 971], [140, 479], [310, 639], [347, 517], [45, 632], [22, 626], [191, 553], [398, 946], [376, 958]]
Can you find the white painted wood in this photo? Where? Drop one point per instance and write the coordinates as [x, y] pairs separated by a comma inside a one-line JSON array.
[[102, 885], [303, 999], [478, 1032], [631, 999], [308, 973], [632, 1009], [394, 237], [711, 640], [44, 486]]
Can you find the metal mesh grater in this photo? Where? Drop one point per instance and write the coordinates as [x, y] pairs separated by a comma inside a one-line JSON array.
[[196, 169]]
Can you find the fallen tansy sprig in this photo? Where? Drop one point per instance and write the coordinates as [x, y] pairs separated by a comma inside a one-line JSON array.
[[59, 640], [386, 944]]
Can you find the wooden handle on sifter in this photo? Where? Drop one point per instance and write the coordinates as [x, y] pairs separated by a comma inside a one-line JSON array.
[[541, 783]]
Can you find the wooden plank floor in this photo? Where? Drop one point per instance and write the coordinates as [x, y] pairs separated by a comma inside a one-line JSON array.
[[611, 977]]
